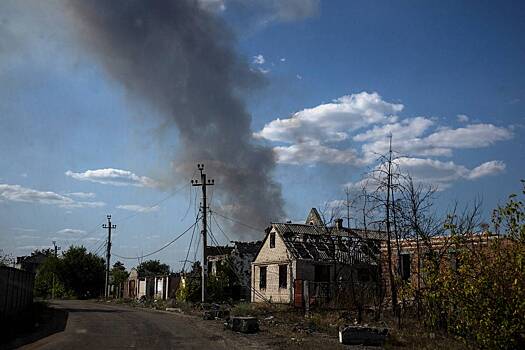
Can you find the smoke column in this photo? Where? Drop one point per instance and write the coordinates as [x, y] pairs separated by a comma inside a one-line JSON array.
[[181, 59]]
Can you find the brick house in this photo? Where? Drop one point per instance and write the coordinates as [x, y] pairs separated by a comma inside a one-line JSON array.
[[408, 265], [292, 254]]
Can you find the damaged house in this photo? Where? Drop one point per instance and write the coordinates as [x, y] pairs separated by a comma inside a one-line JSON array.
[[300, 263], [239, 259]]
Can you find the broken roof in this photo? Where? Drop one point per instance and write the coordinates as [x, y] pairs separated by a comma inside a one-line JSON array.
[[329, 244]]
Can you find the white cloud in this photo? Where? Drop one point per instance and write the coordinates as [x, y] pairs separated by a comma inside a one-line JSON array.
[[298, 76], [312, 153], [462, 118], [82, 194], [116, 177], [488, 168], [406, 128], [17, 193], [471, 136], [138, 208], [291, 10], [331, 121], [71, 232], [283, 59], [435, 172], [355, 130], [212, 5], [258, 59]]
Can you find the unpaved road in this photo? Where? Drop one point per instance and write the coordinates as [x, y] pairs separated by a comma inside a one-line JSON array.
[[92, 325]]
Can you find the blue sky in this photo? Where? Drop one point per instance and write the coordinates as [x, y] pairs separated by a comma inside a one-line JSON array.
[[446, 77]]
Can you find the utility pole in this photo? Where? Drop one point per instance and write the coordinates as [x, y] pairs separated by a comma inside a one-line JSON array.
[[109, 226], [56, 254], [347, 204], [203, 183]]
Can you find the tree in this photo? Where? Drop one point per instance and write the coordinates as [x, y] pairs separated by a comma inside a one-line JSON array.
[[150, 268], [483, 299], [119, 275], [190, 288], [5, 259], [81, 272], [44, 279]]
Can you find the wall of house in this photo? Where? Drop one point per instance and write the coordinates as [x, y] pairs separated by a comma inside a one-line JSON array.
[[272, 258], [273, 292], [444, 246]]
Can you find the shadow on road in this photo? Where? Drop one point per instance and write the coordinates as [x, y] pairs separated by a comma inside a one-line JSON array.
[[39, 322]]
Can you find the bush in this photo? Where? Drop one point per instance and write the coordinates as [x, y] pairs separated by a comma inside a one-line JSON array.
[[484, 299]]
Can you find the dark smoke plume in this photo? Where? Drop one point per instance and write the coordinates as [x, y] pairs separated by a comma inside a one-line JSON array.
[[181, 59]]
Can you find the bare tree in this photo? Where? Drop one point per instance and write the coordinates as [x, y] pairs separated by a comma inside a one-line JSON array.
[[384, 179]]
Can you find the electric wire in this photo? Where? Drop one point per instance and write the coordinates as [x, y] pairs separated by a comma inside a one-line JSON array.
[[238, 222], [189, 247], [158, 250]]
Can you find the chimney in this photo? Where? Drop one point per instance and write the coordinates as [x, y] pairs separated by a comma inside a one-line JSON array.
[[339, 224]]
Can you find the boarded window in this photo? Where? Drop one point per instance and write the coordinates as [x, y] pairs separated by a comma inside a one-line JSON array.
[[283, 276], [272, 239], [405, 267], [262, 277], [322, 273]]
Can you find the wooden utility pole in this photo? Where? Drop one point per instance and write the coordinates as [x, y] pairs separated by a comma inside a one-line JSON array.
[[203, 184], [56, 254], [109, 226]]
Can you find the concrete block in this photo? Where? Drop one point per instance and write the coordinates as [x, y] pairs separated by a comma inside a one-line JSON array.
[[355, 335], [243, 324], [215, 314]]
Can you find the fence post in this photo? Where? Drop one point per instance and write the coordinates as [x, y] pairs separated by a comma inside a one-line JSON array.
[[306, 295]]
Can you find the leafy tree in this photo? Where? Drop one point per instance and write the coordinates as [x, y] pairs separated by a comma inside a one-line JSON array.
[[82, 272], [222, 284], [190, 288], [483, 300], [45, 275], [119, 273], [150, 268]]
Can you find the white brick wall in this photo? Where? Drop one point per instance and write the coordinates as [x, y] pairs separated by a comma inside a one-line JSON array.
[[272, 258]]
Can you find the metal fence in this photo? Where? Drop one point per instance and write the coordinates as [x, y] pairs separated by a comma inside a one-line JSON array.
[[16, 291]]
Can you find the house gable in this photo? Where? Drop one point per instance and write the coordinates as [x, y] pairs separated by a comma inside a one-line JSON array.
[[279, 253], [314, 218]]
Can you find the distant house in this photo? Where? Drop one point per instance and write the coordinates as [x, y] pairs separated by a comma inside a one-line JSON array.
[[156, 287], [292, 254], [30, 263], [238, 258]]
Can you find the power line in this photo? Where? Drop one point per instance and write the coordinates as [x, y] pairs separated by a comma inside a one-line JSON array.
[[238, 222], [220, 228], [155, 204], [189, 247], [158, 250]]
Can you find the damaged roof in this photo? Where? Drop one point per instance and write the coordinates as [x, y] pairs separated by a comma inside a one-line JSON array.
[[329, 244]]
